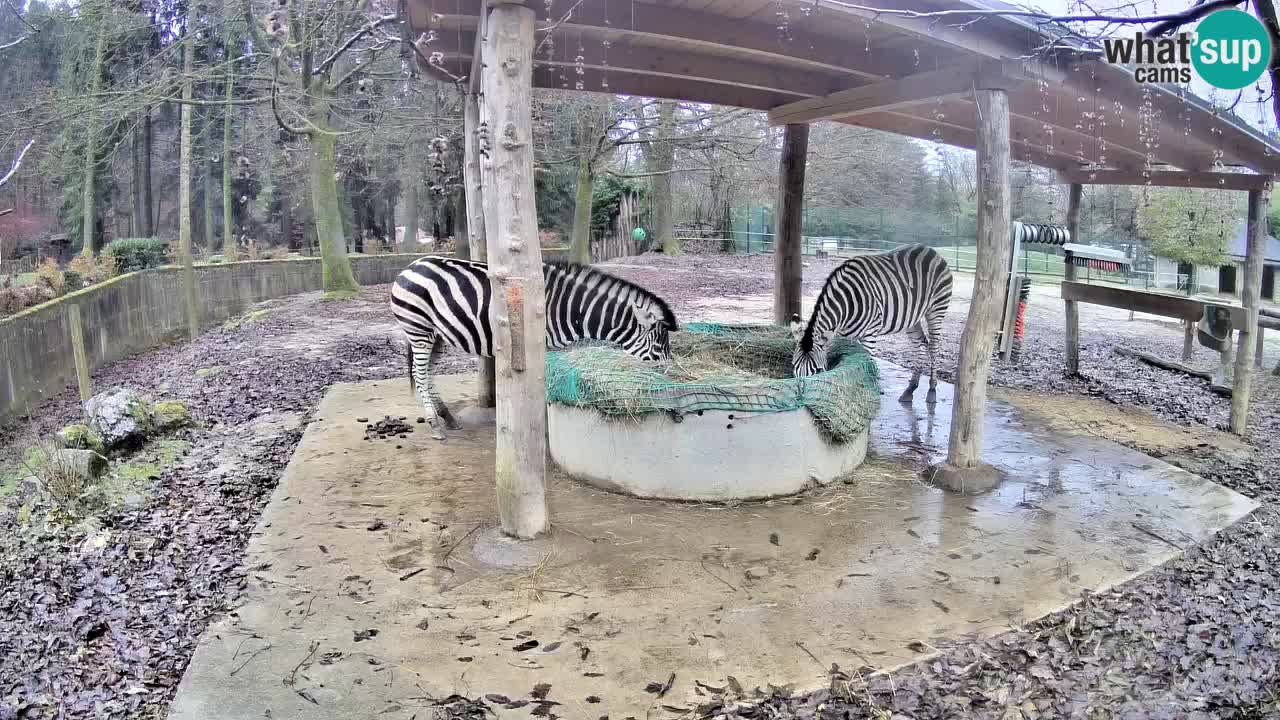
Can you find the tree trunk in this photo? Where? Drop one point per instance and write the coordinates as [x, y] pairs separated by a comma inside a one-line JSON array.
[[336, 267], [148, 204], [138, 219], [184, 192], [409, 207], [475, 223], [663, 160], [989, 280], [518, 311], [789, 247], [461, 237], [228, 232], [207, 189], [580, 244], [88, 209], [1251, 298]]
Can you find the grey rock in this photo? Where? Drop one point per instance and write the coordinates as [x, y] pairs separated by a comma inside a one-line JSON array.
[[118, 416]]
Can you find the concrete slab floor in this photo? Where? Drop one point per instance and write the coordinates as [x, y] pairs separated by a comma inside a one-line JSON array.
[[378, 579]]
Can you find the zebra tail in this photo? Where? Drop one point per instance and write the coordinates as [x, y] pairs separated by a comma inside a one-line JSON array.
[[408, 353]]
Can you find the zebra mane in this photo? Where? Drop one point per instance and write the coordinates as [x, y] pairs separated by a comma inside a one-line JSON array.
[[614, 285], [806, 341]]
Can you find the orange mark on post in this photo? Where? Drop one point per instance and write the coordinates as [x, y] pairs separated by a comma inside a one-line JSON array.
[[515, 324]]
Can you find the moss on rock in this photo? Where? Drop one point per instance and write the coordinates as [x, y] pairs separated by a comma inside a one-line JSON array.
[[80, 437], [171, 414]]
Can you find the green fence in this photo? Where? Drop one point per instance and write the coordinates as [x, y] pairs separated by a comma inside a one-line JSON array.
[[851, 231]]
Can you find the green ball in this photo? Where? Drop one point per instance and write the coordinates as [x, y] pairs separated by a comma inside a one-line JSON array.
[[638, 234]]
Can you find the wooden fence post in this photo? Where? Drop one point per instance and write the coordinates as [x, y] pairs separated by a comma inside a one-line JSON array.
[[77, 351], [788, 251], [964, 470], [518, 312], [1251, 298], [1069, 274], [474, 190]]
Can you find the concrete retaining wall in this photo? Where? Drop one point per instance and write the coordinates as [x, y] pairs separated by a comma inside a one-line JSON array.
[[143, 310]]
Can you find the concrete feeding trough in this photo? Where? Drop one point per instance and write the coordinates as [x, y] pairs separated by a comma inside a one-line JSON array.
[[722, 422]]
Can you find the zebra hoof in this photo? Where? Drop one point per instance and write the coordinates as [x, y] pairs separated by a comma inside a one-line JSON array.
[[906, 397], [932, 397]]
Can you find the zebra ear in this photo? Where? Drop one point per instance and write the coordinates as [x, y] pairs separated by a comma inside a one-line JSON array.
[[797, 328], [645, 315]]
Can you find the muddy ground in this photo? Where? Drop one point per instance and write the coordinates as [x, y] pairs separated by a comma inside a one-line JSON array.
[[105, 629]]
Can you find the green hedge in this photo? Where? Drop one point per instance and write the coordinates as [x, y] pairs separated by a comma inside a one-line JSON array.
[[132, 254]]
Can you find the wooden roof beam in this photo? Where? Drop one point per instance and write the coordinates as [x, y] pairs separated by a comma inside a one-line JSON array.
[[709, 33], [894, 94], [1167, 178], [899, 93], [677, 65], [956, 135]]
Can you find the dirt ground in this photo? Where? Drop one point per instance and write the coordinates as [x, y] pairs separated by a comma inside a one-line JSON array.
[[107, 633]]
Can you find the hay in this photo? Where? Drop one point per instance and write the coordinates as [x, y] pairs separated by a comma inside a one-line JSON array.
[[720, 367]]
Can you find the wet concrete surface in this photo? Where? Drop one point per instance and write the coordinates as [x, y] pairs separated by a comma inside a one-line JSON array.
[[361, 536]]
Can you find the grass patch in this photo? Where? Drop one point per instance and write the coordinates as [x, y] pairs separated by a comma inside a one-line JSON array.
[[134, 479], [339, 295], [256, 315]]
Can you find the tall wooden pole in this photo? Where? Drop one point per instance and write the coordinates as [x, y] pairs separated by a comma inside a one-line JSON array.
[[1251, 298], [518, 312], [184, 192], [789, 224], [993, 251], [475, 220], [1073, 310]]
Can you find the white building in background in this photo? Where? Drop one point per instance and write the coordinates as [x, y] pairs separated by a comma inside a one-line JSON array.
[[1221, 280]]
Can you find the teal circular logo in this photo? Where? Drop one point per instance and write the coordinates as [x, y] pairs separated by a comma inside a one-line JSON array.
[[1232, 49]]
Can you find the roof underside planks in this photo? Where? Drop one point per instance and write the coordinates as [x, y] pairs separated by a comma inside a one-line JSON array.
[[1073, 110]]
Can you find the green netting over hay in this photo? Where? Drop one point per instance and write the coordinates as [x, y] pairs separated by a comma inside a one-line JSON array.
[[721, 367]]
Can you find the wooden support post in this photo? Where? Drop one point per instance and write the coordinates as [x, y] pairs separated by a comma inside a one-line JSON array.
[[1251, 298], [1072, 309], [963, 471], [77, 351], [518, 311], [1259, 348], [789, 224], [473, 187], [1225, 359]]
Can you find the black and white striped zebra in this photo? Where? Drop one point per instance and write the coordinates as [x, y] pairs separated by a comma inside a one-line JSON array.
[[441, 300], [903, 290]]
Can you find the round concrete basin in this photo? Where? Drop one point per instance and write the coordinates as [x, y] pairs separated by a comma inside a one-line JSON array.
[[709, 456]]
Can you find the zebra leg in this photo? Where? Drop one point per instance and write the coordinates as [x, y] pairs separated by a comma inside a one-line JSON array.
[[935, 330], [908, 395], [442, 410], [422, 352]]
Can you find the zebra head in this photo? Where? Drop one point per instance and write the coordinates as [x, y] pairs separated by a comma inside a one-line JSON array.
[[653, 341], [810, 354]]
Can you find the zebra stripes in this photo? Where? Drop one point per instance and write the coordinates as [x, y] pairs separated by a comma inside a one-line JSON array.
[[440, 301], [903, 290]]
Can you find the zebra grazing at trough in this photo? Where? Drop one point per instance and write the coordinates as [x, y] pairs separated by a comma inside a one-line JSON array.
[[906, 289], [440, 300]]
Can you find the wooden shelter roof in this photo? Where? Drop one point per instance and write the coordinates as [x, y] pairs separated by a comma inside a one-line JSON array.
[[804, 61]]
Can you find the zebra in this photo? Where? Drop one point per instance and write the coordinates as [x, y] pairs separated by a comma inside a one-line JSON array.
[[444, 299], [906, 289]]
